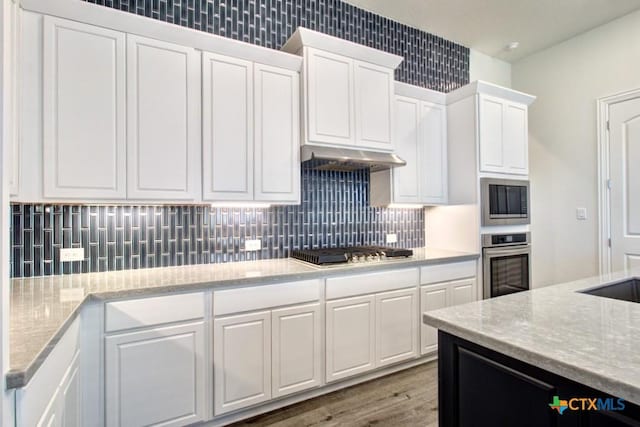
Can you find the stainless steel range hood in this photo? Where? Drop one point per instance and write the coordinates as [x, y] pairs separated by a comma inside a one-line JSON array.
[[347, 160]]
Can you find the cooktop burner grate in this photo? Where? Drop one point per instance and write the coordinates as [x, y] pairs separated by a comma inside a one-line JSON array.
[[343, 255]]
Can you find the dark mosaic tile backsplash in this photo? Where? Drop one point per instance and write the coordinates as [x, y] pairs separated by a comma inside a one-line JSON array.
[[430, 61], [334, 212]]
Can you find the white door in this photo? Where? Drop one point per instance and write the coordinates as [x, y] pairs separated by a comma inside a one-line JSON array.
[[84, 111], [163, 120], [227, 128], [329, 98], [156, 376], [491, 124], [277, 135], [373, 105], [71, 396], [296, 364], [624, 158], [350, 335], [241, 361], [516, 137], [406, 179], [462, 291], [396, 326], [433, 130], [432, 297]]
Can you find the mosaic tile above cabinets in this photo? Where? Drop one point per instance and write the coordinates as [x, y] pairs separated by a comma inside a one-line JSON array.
[[334, 212], [430, 61]]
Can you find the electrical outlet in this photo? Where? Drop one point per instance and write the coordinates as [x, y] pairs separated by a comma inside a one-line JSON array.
[[581, 213], [392, 238], [252, 245], [71, 254]]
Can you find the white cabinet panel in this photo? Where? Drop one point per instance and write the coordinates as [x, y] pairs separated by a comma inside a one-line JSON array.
[[350, 335], [463, 291], [396, 326], [227, 128], [491, 123], [373, 105], [516, 156], [433, 161], [242, 361], [277, 134], [406, 179], [296, 349], [431, 298], [329, 98], [84, 122], [163, 120], [156, 376], [71, 397], [51, 416]]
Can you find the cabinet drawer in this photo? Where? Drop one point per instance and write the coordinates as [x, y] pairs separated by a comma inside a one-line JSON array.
[[142, 312], [444, 272], [371, 283], [231, 301]]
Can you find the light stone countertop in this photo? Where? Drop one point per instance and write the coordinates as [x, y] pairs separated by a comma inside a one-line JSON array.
[[42, 308], [589, 339]]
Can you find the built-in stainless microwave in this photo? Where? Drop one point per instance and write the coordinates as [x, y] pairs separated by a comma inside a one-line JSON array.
[[504, 201]]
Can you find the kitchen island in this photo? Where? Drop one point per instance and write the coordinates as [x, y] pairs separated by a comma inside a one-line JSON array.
[[551, 356]]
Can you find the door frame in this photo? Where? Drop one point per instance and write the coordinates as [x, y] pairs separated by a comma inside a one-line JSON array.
[[604, 174]]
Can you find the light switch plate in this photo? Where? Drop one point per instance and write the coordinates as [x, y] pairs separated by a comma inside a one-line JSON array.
[[392, 238], [581, 213], [252, 245], [71, 254]]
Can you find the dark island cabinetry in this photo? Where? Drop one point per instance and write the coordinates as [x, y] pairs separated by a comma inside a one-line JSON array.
[[480, 387]]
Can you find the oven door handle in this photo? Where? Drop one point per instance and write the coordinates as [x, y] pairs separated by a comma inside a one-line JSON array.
[[510, 251]]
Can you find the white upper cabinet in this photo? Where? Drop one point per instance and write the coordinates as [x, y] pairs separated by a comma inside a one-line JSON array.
[[227, 128], [277, 134], [421, 140], [347, 91], [374, 105], [516, 153], [83, 111], [163, 120]]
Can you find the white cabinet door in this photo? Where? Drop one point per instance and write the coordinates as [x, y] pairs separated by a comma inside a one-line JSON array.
[[227, 128], [156, 376], [71, 397], [373, 106], [51, 416], [83, 111], [432, 297], [277, 135], [242, 361], [406, 179], [516, 147], [433, 164], [350, 336], [296, 349], [462, 291], [491, 124], [329, 98], [163, 120], [396, 326]]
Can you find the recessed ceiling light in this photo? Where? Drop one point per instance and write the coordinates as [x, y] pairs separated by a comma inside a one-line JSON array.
[[512, 46]]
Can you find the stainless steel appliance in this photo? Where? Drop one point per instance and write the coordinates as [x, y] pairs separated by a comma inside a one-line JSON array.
[[353, 254], [504, 201], [506, 263]]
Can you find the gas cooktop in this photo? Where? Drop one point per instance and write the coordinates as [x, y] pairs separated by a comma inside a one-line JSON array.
[[355, 254]]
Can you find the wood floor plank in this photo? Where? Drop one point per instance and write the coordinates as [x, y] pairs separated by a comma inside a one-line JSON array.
[[407, 398]]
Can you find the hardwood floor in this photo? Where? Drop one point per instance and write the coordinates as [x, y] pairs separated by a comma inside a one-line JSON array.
[[408, 398]]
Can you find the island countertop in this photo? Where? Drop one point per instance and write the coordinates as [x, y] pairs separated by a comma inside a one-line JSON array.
[[42, 308], [589, 339]]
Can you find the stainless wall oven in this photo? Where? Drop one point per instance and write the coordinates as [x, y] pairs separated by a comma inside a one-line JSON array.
[[504, 201], [506, 263]]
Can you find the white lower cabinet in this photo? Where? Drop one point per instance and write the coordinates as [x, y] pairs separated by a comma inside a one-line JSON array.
[[65, 407], [156, 376], [267, 354], [396, 326]]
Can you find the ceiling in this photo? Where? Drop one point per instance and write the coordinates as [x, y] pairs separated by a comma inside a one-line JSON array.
[[489, 25]]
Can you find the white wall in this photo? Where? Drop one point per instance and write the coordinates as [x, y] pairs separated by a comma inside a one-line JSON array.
[[567, 79], [488, 68]]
